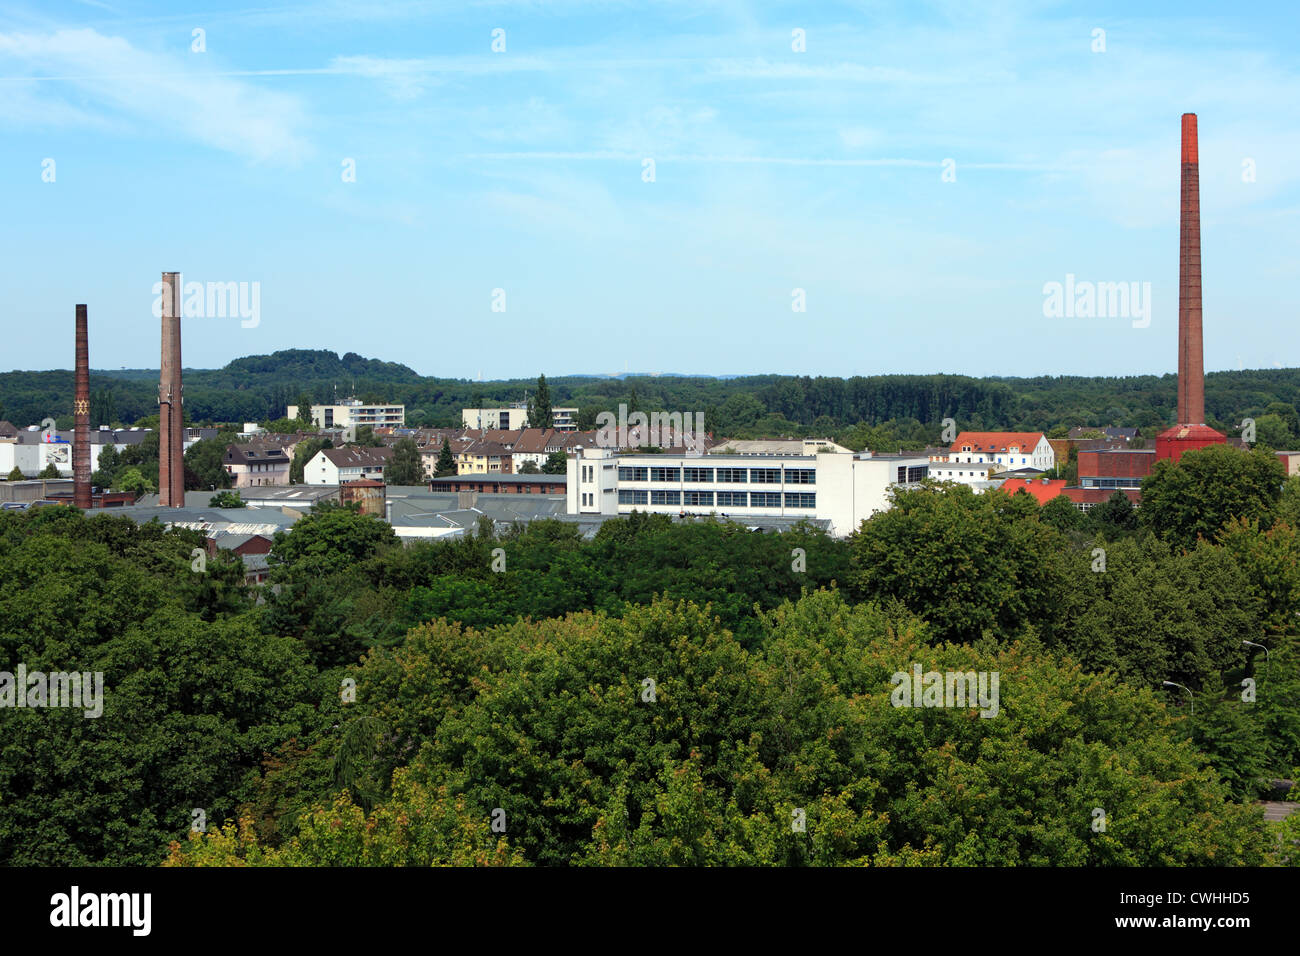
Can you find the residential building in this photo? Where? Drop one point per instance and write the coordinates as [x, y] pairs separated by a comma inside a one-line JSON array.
[[353, 413], [333, 466], [515, 417], [483, 458], [257, 463], [841, 488], [1008, 449]]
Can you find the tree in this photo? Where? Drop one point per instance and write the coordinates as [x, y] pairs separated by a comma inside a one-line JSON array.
[[1208, 487], [1062, 514], [529, 468], [304, 410], [49, 471], [332, 540], [557, 463], [107, 466], [406, 467], [966, 562], [367, 438], [446, 463], [1115, 515], [206, 459], [1272, 431], [281, 426], [539, 406], [227, 499], [132, 480], [16, 474]]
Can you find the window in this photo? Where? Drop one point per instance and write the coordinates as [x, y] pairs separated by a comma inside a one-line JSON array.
[[632, 474], [800, 499], [764, 499], [733, 499], [765, 476], [800, 476], [698, 499], [665, 474], [697, 474], [665, 497], [632, 497], [732, 475], [919, 473]]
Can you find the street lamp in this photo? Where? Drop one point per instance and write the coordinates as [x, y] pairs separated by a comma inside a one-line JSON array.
[[1265, 650], [1170, 683]]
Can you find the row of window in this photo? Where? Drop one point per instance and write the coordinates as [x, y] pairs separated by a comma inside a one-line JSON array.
[[691, 475], [913, 474], [720, 499]]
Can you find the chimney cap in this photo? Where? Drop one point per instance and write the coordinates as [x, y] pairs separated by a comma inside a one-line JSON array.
[[1189, 138]]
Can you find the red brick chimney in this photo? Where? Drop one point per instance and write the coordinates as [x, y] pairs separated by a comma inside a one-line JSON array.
[[1191, 430], [81, 417], [1191, 350], [171, 433]]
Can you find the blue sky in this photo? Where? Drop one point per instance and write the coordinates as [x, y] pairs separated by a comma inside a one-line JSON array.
[[774, 170]]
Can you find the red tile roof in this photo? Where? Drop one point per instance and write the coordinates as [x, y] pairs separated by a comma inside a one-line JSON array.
[[1043, 491], [994, 442]]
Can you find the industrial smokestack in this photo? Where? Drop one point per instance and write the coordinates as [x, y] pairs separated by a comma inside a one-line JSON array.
[[171, 435], [1191, 357], [81, 417]]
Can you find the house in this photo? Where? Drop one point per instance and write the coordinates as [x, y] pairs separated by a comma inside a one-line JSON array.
[[1009, 449], [485, 457], [257, 463], [333, 466], [535, 445]]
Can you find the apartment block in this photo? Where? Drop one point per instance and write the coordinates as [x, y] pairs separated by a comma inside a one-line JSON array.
[[515, 417], [352, 413]]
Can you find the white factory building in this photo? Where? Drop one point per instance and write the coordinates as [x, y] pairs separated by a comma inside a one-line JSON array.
[[843, 488]]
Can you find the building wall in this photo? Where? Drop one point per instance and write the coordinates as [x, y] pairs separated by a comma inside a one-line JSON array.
[[841, 488]]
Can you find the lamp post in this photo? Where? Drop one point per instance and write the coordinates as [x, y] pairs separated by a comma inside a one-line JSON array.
[[1266, 658], [1170, 683]]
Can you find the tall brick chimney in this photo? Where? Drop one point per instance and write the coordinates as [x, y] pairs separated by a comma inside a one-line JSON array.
[[81, 417], [1191, 350], [171, 434], [1191, 432]]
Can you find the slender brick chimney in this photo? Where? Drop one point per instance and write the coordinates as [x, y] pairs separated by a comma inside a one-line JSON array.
[[1191, 350], [81, 417], [171, 435], [1191, 432]]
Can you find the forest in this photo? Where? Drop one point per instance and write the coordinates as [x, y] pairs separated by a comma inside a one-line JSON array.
[[903, 408], [668, 692]]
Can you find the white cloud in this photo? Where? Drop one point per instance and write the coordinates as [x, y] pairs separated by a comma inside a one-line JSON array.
[[166, 93]]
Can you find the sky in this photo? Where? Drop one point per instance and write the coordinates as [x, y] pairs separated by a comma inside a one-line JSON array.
[[500, 189]]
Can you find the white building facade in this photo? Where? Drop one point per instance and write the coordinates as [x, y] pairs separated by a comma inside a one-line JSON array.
[[844, 489], [1011, 450], [352, 413]]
